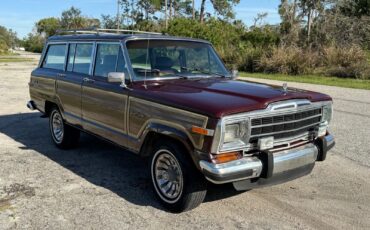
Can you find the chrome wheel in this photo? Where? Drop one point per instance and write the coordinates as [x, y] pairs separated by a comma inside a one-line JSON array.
[[57, 127], [167, 176]]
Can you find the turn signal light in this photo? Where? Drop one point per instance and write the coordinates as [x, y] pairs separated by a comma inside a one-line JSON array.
[[202, 131], [225, 157]]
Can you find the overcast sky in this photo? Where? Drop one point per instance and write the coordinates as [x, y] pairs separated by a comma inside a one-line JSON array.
[[21, 15]]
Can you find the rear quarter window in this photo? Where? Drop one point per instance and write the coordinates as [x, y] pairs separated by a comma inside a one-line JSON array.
[[55, 57]]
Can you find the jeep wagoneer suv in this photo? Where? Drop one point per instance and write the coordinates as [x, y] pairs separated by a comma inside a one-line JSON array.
[[173, 100]]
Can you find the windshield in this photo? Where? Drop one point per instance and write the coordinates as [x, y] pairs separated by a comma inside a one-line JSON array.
[[174, 59]]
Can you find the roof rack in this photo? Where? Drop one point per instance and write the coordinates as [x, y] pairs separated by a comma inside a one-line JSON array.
[[103, 31]]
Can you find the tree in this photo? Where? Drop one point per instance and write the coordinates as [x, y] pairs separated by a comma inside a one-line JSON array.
[[72, 19], [4, 41], [311, 9], [259, 19], [109, 22], [193, 9], [34, 42], [8, 39], [221, 7], [49, 26], [356, 8], [149, 7], [290, 21]]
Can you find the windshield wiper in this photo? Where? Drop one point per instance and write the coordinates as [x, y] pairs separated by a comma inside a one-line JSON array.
[[202, 71]]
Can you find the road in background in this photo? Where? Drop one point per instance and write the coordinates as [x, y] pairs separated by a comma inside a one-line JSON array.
[[99, 186]]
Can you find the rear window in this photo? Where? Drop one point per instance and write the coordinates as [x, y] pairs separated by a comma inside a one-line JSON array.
[[55, 57]]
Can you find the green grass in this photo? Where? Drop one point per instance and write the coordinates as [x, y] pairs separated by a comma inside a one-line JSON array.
[[14, 59], [313, 79]]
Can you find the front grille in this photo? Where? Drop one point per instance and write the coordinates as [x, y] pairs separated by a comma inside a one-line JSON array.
[[286, 125]]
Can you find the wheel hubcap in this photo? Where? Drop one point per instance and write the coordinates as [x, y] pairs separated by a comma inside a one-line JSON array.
[[168, 175], [57, 127]]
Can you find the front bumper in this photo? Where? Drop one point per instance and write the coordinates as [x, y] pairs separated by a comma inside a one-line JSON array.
[[269, 168]]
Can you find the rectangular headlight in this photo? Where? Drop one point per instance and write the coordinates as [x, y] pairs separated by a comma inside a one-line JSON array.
[[235, 136], [327, 113], [232, 133]]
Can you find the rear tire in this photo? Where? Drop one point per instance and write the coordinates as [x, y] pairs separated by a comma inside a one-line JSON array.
[[63, 135], [178, 185]]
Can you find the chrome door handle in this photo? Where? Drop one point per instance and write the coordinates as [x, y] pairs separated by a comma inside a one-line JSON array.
[[88, 80], [61, 75]]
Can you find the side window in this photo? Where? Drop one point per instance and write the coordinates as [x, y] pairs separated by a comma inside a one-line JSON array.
[[83, 58], [106, 59], [55, 57], [121, 64], [71, 56]]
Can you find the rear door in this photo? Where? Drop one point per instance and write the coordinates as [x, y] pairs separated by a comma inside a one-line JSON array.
[[104, 104], [78, 67]]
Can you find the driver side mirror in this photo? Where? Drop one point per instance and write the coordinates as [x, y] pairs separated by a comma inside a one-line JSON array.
[[116, 77]]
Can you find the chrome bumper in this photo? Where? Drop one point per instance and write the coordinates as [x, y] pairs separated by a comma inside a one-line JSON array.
[[278, 163]]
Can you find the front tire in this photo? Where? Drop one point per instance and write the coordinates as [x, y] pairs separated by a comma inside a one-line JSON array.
[[178, 185], [63, 135]]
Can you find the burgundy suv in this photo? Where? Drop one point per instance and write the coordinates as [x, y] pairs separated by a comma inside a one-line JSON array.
[[173, 100]]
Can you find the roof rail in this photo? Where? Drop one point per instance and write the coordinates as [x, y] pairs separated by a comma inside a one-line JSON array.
[[103, 31], [128, 31]]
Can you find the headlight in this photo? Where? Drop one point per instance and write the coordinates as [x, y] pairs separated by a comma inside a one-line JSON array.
[[232, 133], [327, 113], [235, 136]]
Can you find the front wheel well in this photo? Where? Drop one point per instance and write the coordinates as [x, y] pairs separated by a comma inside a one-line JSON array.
[[153, 138]]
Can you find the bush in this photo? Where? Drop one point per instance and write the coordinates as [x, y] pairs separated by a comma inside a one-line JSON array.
[[3, 47], [224, 36], [288, 60], [346, 62], [34, 43], [237, 47], [257, 49], [8, 39]]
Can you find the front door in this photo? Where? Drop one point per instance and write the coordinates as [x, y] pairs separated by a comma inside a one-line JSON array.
[[104, 104]]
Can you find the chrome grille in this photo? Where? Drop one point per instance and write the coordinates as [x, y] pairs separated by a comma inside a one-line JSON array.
[[285, 125]]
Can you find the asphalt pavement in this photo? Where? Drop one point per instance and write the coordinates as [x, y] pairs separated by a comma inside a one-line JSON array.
[[100, 186]]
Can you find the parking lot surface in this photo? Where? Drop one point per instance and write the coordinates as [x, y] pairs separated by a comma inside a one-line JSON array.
[[100, 186]]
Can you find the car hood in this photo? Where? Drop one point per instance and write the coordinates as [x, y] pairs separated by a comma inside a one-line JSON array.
[[217, 97]]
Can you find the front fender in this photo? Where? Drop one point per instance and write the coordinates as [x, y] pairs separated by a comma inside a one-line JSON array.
[[171, 132]]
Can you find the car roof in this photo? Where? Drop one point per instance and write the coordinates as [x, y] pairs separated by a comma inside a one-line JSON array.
[[116, 37]]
